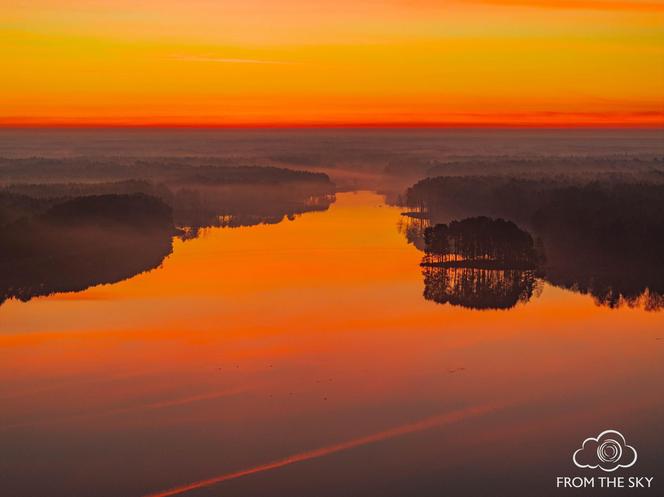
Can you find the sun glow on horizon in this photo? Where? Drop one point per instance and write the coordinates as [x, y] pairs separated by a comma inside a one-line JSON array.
[[354, 63]]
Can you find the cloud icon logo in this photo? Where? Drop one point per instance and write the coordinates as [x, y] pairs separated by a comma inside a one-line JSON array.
[[608, 451]]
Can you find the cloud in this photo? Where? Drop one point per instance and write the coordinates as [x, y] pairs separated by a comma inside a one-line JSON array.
[[225, 60], [609, 451]]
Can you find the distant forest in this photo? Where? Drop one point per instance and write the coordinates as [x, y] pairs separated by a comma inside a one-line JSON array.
[[200, 194], [100, 223], [165, 170]]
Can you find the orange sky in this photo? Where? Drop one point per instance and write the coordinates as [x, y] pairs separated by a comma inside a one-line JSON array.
[[347, 62]]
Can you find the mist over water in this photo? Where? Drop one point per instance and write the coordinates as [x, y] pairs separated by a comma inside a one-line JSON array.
[[319, 143]]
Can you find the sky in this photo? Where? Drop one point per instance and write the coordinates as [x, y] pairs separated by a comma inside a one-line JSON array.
[[332, 63]]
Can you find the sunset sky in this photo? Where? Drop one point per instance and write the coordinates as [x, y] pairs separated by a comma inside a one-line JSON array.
[[341, 62]]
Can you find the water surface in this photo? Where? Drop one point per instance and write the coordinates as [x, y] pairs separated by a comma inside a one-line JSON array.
[[300, 359]]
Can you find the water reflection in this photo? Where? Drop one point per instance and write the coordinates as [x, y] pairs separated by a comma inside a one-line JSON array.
[[474, 288], [629, 283], [599, 234], [249, 205], [412, 225], [273, 343], [51, 246], [453, 276]]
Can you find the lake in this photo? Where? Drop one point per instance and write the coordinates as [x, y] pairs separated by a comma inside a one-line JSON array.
[[301, 359]]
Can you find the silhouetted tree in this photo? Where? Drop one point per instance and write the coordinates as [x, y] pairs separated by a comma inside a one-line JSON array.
[[480, 242]]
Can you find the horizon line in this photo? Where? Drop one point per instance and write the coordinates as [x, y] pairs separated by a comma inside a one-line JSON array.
[[406, 125]]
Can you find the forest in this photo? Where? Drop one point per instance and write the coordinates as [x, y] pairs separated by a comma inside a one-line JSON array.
[[73, 244], [66, 224], [170, 170], [200, 194], [604, 238]]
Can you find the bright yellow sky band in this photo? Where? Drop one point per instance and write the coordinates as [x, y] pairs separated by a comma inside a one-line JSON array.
[[332, 63]]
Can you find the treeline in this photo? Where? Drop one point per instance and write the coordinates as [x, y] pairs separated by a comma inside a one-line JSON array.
[[569, 168], [14, 206], [80, 242], [200, 196], [255, 175], [605, 238], [480, 242], [634, 166], [27, 201], [46, 191], [45, 234], [66, 236], [619, 218], [166, 170]]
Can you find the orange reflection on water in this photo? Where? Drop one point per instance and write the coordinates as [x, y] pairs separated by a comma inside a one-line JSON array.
[[252, 344]]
